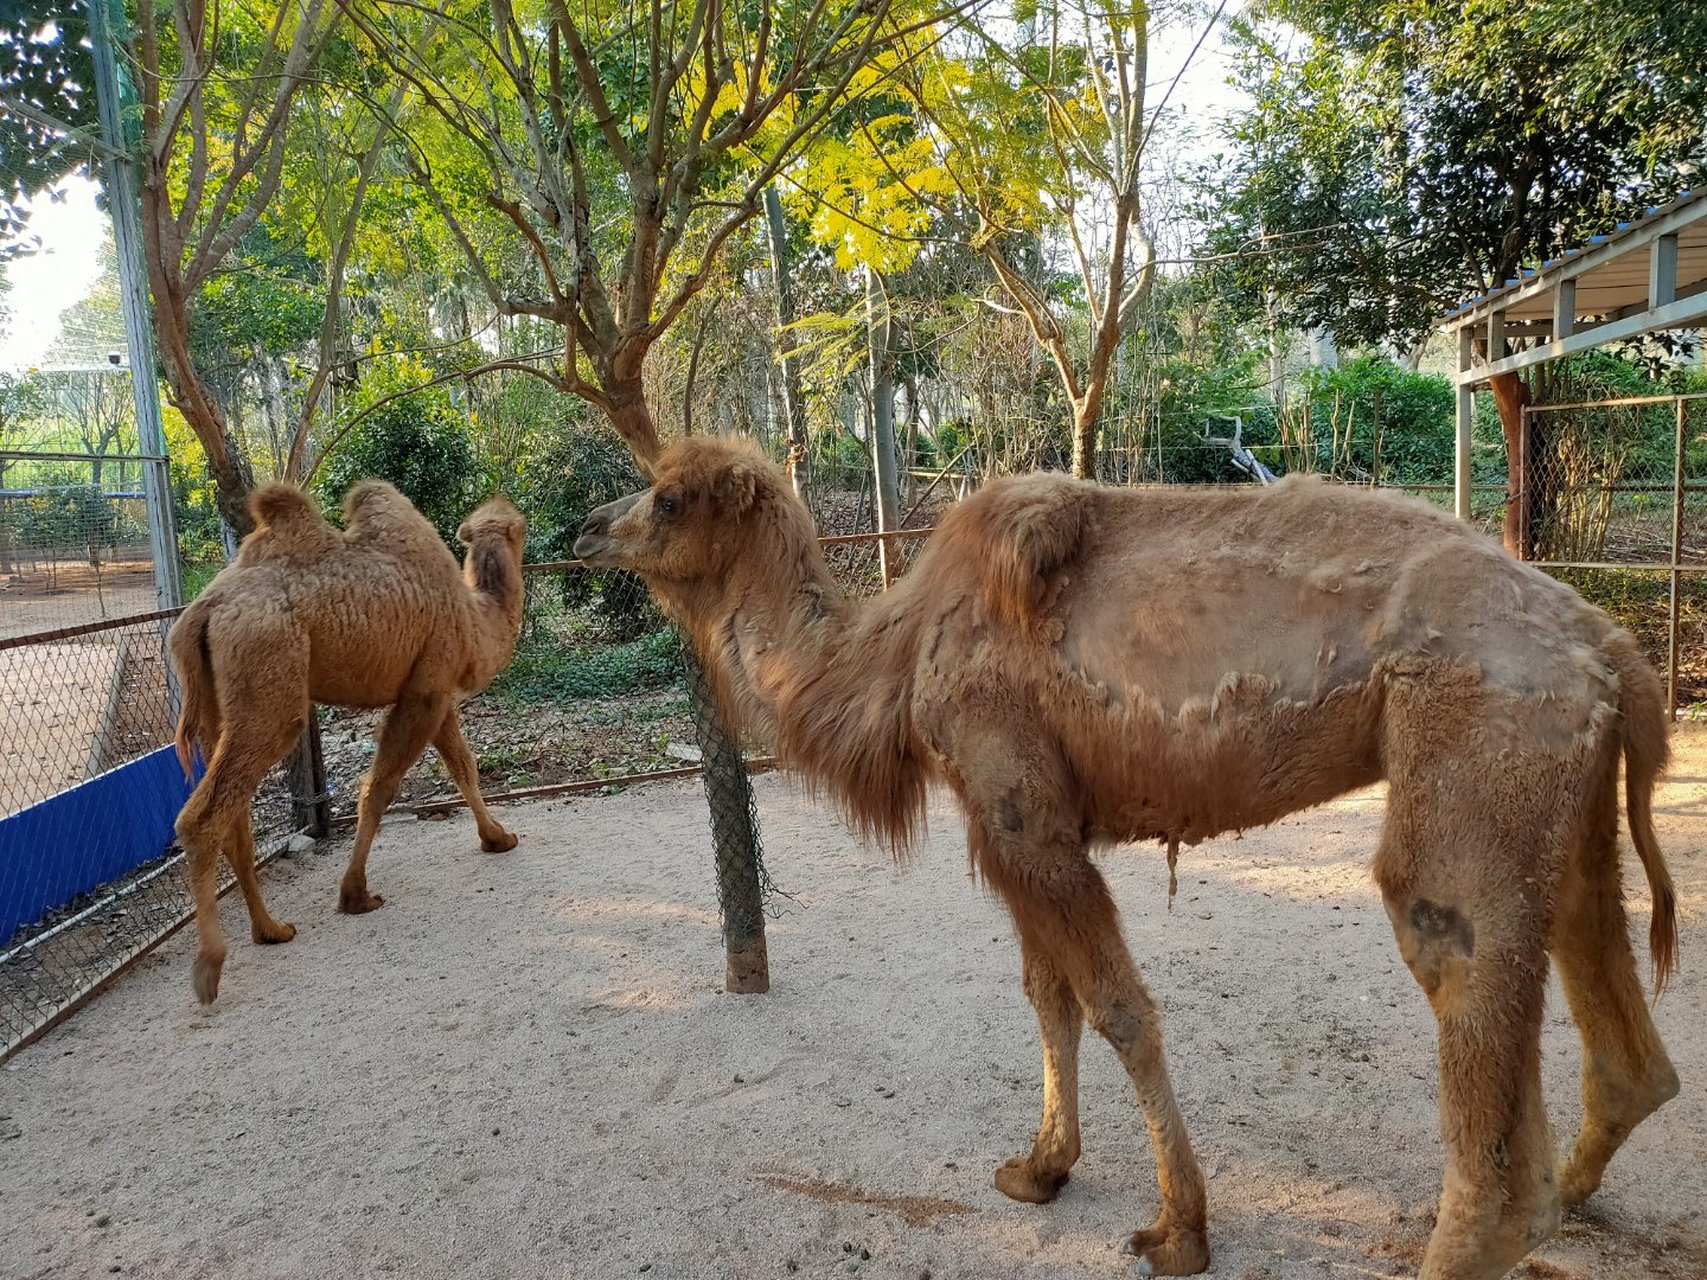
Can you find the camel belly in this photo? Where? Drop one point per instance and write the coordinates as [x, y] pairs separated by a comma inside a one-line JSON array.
[[359, 672], [1239, 759]]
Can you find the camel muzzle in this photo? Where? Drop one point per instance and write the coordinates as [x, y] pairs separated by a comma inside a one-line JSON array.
[[595, 546]]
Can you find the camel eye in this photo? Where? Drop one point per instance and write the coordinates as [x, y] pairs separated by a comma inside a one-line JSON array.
[[668, 505]]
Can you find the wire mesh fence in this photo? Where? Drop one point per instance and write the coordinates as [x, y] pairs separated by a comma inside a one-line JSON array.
[[73, 541], [89, 789], [598, 696], [1613, 499]]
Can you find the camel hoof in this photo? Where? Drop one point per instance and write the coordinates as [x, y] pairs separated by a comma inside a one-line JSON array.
[[1164, 1250], [204, 977], [1576, 1186], [268, 935], [1020, 1179], [358, 903], [503, 842]]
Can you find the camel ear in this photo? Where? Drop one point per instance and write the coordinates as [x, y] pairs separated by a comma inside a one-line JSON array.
[[739, 486], [464, 534]]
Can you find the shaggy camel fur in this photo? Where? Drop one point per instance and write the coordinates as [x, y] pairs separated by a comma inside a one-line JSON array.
[[1086, 666], [376, 616]]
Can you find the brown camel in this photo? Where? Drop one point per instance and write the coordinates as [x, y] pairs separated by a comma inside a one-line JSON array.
[[376, 616], [1086, 666]]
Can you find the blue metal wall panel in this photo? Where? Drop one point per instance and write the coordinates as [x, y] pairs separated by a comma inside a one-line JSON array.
[[85, 836]]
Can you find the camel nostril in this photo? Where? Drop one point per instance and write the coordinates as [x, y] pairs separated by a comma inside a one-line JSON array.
[[598, 522]]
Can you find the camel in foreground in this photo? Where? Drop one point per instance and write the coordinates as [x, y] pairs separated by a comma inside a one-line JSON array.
[[376, 616], [1086, 666]]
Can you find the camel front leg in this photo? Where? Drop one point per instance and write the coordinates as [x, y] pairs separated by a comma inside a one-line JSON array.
[[1064, 911], [408, 727], [1037, 1176], [453, 750]]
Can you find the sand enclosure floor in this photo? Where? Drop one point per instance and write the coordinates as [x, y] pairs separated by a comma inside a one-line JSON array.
[[523, 1065]]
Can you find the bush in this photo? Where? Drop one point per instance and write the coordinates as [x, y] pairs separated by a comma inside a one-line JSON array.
[[418, 441], [545, 673], [581, 468], [1417, 418]]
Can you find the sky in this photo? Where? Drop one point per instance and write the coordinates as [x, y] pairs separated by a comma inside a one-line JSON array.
[[55, 277], [64, 269]]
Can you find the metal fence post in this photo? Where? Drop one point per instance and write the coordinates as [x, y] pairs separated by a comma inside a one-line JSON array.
[[1676, 560], [122, 197]]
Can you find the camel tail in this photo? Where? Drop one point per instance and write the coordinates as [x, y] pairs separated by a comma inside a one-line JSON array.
[[198, 720], [1642, 704]]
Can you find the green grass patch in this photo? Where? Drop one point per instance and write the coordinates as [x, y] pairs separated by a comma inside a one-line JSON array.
[[543, 672]]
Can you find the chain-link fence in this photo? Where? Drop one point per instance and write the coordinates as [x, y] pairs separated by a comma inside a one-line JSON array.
[[597, 697], [73, 541], [89, 789], [1612, 498]]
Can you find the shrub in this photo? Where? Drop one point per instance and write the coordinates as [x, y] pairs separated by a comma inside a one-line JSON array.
[[581, 468], [417, 441]]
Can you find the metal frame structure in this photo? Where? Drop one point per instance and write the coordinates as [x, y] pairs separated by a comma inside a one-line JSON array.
[[1648, 275]]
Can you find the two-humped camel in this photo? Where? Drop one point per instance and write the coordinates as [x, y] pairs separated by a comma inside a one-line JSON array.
[[376, 616], [1085, 666]]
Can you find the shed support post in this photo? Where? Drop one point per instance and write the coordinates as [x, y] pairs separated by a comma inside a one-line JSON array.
[[1466, 416]]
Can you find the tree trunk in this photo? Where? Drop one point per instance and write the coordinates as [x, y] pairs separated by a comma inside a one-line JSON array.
[[883, 420], [728, 790], [1510, 396], [632, 417], [793, 403], [1085, 415]]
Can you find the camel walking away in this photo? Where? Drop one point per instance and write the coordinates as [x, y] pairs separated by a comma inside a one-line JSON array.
[[1086, 666], [375, 616]]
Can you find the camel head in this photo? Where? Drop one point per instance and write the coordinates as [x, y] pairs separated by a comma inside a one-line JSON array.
[[713, 504], [496, 538]]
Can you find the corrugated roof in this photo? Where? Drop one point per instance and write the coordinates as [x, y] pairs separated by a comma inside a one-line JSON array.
[[1609, 277]]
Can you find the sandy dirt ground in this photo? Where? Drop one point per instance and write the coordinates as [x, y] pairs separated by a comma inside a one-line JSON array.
[[72, 593], [523, 1065]]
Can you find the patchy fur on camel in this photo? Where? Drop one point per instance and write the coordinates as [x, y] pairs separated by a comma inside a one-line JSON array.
[[375, 615], [1088, 666]]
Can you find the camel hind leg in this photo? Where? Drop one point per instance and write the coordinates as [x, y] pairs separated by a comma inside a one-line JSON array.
[[409, 726], [216, 819], [1479, 815], [240, 853], [1626, 1074]]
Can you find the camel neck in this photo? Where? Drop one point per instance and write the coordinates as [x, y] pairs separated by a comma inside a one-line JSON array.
[[827, 680]]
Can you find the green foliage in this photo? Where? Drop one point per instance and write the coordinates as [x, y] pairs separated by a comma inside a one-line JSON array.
[[1407, 153], [416, 440], [580, 468], [45, 65], [542, 672], [1414, 413]]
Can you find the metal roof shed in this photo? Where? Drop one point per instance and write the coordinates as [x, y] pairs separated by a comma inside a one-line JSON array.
[[1647, 275]]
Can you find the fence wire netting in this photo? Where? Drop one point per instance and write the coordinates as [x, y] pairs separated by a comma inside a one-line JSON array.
[[89, 789], [1613, 500], [598, 695], [599, 692], [73, 542]]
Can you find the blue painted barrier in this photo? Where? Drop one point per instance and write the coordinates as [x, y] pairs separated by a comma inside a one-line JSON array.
[[87, 835]]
